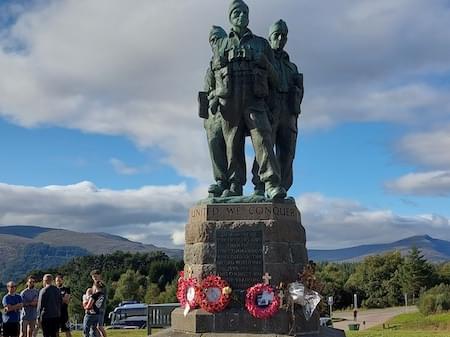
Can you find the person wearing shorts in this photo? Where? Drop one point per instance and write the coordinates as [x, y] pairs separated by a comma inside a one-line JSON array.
[[28, 319]]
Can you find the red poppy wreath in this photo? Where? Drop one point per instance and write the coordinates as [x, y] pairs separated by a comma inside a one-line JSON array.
[[262, 301], [213, 294], [186, 291]]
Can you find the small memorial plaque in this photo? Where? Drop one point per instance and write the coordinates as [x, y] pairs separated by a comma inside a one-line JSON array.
[[239, 257]]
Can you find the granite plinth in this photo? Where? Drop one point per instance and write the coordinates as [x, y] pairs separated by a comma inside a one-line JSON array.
[[238, 320], [240, 243]]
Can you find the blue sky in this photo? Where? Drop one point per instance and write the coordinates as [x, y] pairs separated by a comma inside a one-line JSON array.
[[98, 125]]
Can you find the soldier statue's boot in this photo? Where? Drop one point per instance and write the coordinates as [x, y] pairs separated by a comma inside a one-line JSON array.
[[275, 191], [235, 190], [216, 190], [259, 190]]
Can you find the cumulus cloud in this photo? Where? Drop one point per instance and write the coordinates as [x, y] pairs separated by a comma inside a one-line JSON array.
[[429, 149], [414, 104], [122, 168], [338, 223], [151, 213], [157, 214], [113, 68], [434, 183]]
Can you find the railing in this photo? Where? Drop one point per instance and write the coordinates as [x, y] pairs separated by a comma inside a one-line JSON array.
[[158, 315]]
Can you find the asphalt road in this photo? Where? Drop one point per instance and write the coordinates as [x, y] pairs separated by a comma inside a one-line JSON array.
[[371, 317]]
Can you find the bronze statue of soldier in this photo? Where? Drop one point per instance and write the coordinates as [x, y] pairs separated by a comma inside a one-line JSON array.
[[285, 106], [243, 84], [209, 103]]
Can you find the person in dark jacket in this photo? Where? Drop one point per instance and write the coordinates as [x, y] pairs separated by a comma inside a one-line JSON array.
[[49, 307], [92, 309]]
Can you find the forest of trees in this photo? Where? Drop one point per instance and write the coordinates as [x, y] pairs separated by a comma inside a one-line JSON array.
[[149, 277], [379, 281]]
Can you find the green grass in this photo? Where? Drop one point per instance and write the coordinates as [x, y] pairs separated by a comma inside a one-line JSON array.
[[405, 325], [119, 333], [396, 333], [410, 325]]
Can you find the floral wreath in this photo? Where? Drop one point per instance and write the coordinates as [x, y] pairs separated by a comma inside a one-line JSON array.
[[186, 291], [213, 294], [251, 303]]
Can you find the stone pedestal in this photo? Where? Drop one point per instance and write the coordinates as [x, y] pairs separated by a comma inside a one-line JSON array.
[[240, 243]]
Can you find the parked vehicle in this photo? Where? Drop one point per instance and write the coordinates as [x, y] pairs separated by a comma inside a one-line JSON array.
[[129, 316]]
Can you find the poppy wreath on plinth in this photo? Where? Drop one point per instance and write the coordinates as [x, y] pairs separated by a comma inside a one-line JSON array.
[[213, 294], [262, 301], [186, 291]]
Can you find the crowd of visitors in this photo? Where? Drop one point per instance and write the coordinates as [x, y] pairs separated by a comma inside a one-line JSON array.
[[47, 309]]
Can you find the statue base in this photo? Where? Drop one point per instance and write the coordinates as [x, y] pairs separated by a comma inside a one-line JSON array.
[[238, 320], [240, 242]]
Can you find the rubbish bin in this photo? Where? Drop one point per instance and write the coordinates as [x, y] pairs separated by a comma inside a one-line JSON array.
[[353, 327]]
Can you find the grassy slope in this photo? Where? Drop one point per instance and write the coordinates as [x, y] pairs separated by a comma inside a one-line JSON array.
[[410, 325]]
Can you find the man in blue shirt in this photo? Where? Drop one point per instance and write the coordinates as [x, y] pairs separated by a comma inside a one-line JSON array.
[[12, 304]]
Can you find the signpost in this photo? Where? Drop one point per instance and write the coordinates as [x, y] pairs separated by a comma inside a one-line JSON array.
[[330, 303]]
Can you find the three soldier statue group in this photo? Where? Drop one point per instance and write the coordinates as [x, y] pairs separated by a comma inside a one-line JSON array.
[[251, 89]]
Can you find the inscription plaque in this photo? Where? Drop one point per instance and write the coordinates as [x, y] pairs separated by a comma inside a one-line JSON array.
[[239, 257], [260, 211]]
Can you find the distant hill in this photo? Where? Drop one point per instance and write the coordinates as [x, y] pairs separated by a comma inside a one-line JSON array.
[[434, 250], [26, 248]]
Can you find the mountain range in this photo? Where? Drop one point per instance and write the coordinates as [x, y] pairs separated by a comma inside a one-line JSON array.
[[434, 250], [26, 248]]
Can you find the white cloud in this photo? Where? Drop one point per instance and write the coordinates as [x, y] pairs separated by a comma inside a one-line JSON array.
[[178, 237], [122, 168], [109, 67], [433, 183], [427, 150], [430, 148], [150, 213], [157, 214], [339, 223], [416, 104]]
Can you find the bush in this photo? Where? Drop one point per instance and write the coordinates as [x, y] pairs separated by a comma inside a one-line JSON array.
[[435, 300]]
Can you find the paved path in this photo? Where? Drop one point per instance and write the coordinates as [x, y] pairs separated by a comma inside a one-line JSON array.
[[372, 317]]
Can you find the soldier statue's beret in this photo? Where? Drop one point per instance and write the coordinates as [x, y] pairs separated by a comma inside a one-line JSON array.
[[217, 31], [236, 4], [279, 26]]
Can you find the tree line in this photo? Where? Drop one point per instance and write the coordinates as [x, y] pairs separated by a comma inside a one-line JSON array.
[[146, 277], [381, 280]]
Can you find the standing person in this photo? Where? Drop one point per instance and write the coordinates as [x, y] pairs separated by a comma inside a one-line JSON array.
[[92, 307], [28, 320], [49, 307], [97, 279], [12, 304], [64, 324], [96, 276]]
